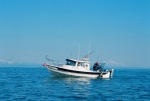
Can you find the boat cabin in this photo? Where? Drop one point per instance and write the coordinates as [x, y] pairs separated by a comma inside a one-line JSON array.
[[80, 64]]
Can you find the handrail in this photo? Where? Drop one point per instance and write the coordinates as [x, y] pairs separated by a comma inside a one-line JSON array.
[[54, 62]]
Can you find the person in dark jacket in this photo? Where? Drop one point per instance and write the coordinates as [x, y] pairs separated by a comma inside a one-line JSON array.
[[96, 66]]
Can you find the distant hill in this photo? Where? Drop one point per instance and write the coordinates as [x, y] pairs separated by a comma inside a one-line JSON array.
[[14, 63]]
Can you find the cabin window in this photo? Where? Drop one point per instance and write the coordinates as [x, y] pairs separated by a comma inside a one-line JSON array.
[[71, 63], [80, 64]]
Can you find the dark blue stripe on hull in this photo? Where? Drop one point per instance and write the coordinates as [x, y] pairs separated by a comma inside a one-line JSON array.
[[81, 72]]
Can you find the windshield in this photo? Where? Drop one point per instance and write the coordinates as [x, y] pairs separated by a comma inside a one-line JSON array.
[[71, 63]]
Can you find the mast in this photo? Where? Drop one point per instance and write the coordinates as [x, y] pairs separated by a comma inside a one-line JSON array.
[[78, 51], [89, 49]]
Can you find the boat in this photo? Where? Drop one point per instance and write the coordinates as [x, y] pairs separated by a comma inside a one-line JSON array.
[[78, 68]]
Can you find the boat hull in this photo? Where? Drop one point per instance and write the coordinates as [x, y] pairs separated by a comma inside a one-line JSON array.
[[62, 72]]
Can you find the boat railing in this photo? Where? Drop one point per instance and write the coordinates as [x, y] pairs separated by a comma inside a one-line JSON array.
[[53, 62]]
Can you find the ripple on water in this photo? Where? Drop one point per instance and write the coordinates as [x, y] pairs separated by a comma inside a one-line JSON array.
[[37, 84]]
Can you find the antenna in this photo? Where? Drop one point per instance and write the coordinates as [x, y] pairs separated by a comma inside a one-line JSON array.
[[89, 48], [98, 58], [78, 51], [88, 55]]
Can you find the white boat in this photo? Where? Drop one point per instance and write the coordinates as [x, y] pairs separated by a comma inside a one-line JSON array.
[[79, 68]]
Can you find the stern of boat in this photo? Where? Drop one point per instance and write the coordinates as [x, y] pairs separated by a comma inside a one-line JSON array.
[[107, 74]]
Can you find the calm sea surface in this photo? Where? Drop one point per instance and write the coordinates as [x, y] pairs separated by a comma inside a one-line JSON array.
[[37, 84]]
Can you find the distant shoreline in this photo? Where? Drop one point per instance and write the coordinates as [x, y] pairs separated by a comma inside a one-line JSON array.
[[22, 65]]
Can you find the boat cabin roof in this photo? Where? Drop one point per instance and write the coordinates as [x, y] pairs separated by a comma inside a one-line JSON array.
[[77, 60]]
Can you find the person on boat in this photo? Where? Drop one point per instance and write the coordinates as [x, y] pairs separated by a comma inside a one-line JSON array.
[[96, 66]]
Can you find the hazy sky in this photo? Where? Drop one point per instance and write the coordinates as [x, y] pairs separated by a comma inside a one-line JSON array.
[[119, 30]]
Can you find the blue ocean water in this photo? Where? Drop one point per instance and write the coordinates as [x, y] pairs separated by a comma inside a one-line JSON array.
[[37, 84]]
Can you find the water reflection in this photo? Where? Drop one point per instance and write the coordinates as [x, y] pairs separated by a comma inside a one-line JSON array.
[[71, 80], [70, 87], [78, 80], [79, 87]]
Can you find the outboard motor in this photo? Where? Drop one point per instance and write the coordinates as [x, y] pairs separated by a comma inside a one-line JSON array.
[[111, 72]]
